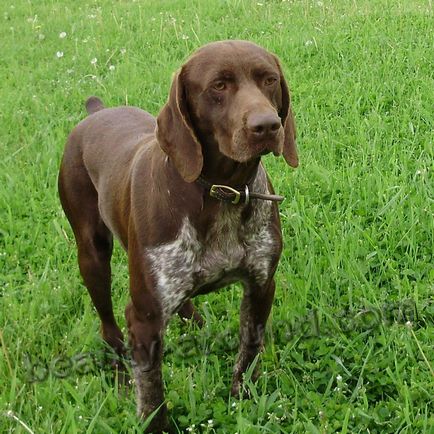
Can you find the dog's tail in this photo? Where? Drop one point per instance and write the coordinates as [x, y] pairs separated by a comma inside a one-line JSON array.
[[94, 104]]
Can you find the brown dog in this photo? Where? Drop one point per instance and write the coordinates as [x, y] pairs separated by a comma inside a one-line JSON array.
[[188, 199]]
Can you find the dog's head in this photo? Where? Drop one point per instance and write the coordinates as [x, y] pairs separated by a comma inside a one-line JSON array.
[[231, 94]]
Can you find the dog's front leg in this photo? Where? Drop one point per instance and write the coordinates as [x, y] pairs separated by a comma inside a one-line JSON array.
[[145, 328], [255, 309]]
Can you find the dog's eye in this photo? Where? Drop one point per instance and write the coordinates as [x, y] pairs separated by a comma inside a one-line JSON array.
[[219, 85], [270, 80]]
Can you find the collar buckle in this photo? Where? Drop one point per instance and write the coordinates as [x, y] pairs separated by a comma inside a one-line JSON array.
[[226, 190]]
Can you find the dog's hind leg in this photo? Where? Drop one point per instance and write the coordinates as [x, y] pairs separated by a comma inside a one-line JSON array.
[[94, 241], [188, 311]]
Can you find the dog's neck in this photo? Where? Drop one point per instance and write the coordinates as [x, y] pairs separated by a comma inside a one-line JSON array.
[[220, 169]]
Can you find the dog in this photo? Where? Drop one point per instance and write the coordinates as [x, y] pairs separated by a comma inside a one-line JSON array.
[[188, 199]]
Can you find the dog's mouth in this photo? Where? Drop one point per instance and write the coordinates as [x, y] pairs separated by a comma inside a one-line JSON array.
[[273, 151], [242, 148], [274, 146], [272, 143], [256, 150]]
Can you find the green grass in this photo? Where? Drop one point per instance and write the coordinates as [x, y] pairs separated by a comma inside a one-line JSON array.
[[350, 341]]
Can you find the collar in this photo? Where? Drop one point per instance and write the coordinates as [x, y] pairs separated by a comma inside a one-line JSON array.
[[235, 195]]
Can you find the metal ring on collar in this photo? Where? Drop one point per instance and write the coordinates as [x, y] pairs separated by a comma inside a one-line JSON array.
[[246, 192]]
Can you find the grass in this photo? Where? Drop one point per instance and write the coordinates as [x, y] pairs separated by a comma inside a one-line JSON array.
[[350, 341]]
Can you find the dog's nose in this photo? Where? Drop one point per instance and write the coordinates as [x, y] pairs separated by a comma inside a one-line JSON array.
[[263, 124]]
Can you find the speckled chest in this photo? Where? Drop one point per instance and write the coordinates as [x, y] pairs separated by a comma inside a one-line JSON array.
[[230, 249]]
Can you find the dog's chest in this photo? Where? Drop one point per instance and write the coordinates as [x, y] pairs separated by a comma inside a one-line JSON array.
[[230, 249]]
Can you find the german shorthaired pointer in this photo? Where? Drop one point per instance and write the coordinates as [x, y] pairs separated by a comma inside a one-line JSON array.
[[189, 200]]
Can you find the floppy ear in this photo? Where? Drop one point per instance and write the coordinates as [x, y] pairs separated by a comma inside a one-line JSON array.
[[175, 133], [287, 118]]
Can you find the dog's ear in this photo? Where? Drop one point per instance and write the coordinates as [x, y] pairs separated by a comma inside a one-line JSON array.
[[175, 132], [287, 118]]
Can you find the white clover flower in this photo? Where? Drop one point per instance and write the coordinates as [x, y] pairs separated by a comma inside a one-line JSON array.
[[112, 67], [59, 54], [339, 378], [93, 61], [62, 35], [307, 43], [210, 422]]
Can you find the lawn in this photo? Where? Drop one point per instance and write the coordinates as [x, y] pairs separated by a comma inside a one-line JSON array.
[[351, 337]]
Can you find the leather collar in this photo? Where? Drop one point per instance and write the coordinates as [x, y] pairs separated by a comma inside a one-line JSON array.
[[235, 195]]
